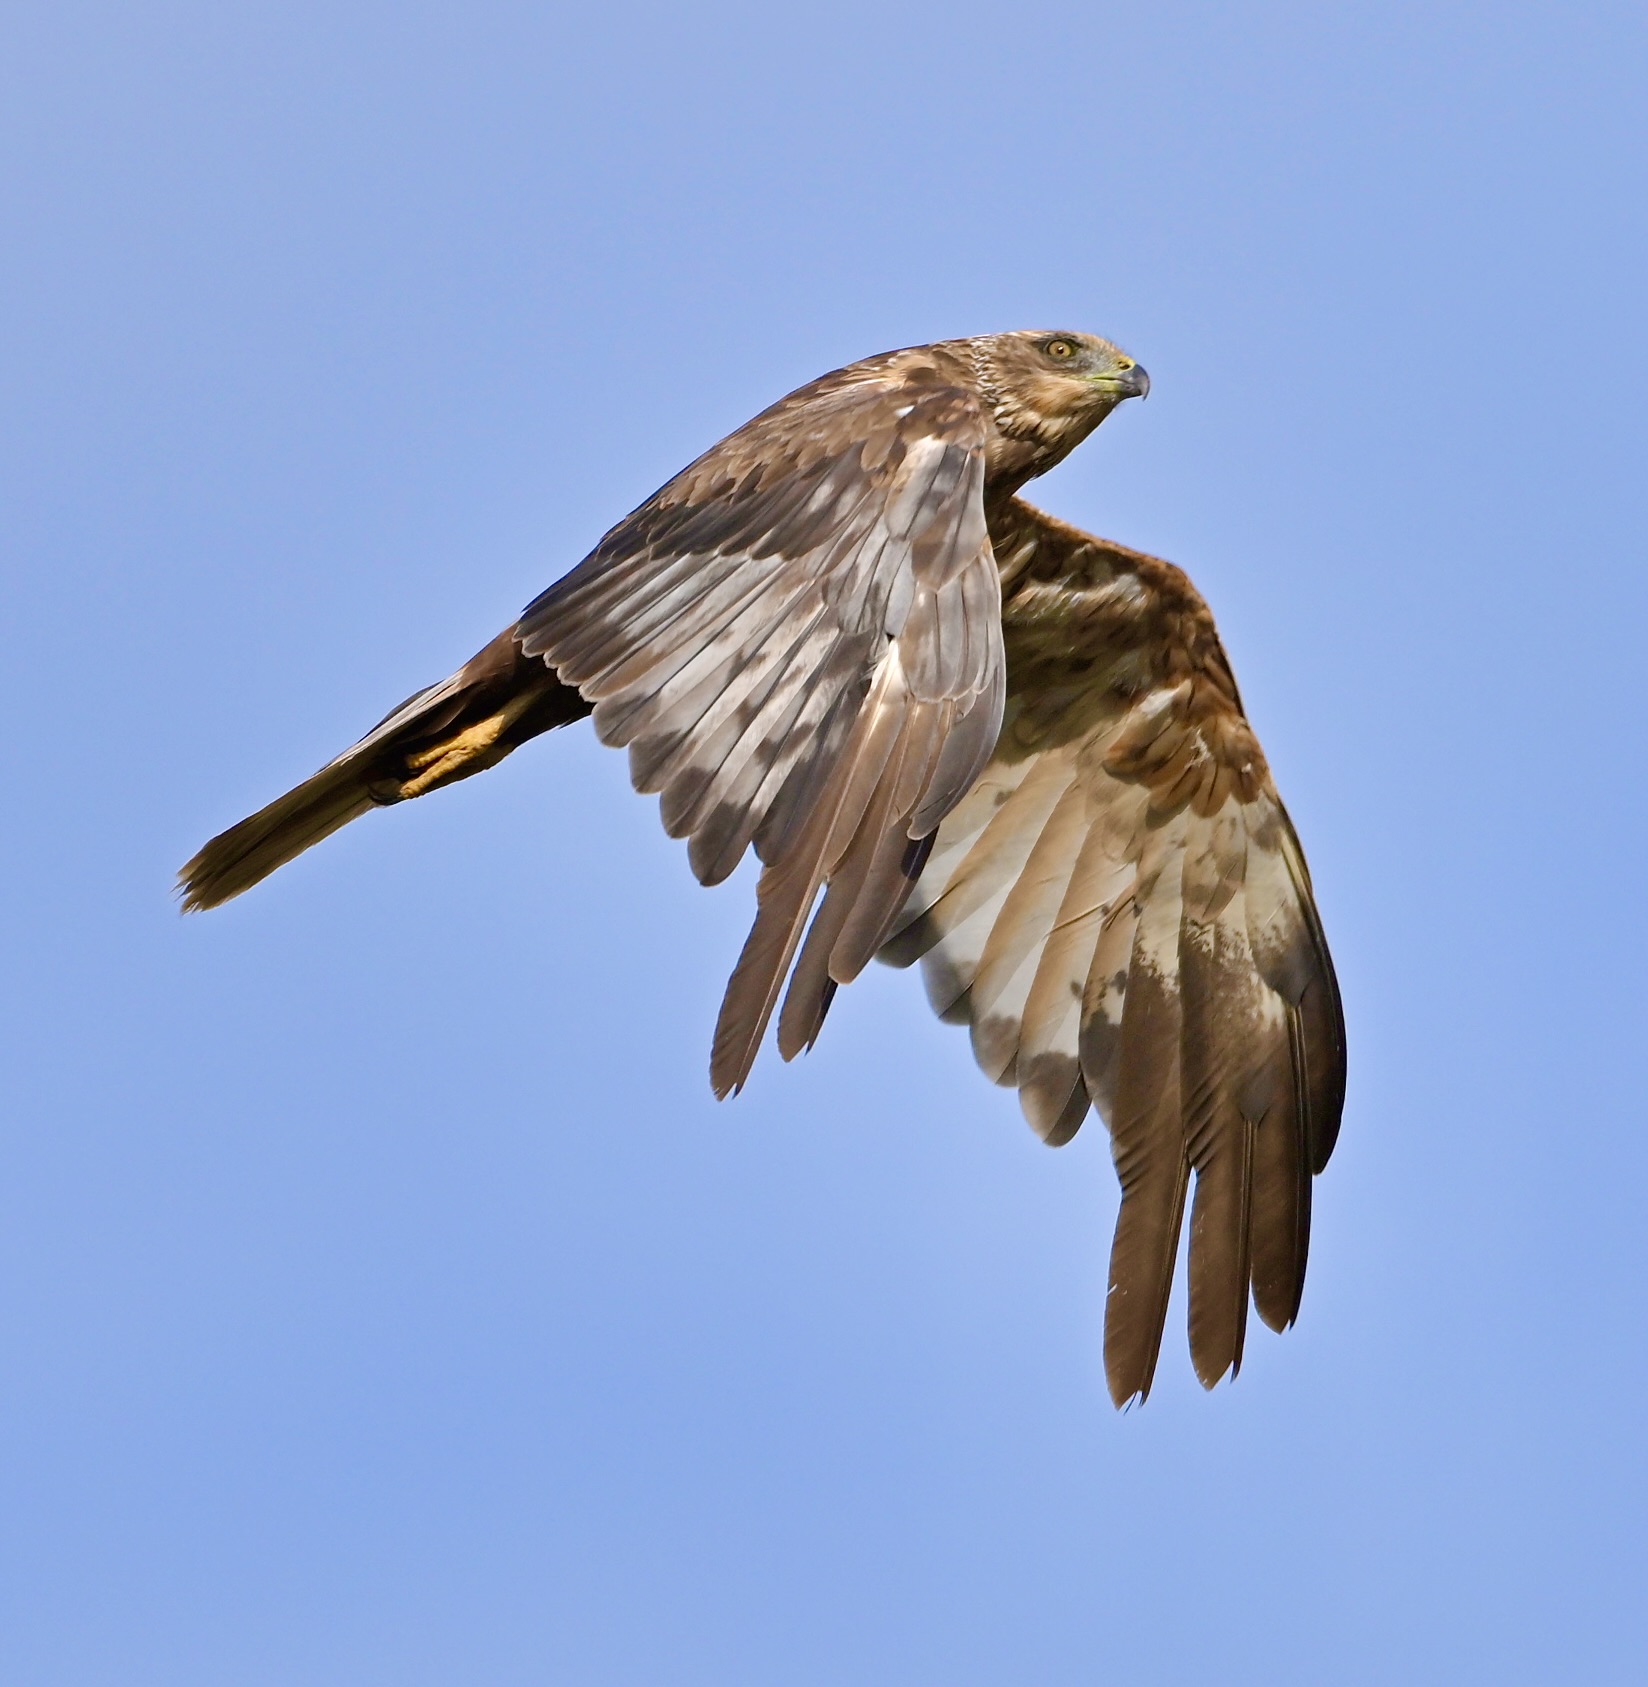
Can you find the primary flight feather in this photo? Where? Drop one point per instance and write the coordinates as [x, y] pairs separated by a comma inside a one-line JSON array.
[[956, 731]]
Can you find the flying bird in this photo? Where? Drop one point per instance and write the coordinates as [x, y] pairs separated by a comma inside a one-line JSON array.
[[957, 731]]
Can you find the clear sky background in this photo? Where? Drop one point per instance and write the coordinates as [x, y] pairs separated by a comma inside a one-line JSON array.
[[383, 1298]]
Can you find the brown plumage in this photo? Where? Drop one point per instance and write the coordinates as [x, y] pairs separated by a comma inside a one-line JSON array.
[[1120, 910], [993, 743]]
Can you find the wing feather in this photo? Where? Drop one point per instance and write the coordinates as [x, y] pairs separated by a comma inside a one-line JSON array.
[[1120, 910], [1049, 1056], [1147, 1134], [1007, 967], [799, 641]]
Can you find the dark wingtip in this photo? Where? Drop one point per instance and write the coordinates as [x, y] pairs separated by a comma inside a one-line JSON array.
[[1210, 1377], [1125, 1397], [729, 1074]]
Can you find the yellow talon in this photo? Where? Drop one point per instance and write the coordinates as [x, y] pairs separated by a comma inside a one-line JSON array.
[[475, 744]]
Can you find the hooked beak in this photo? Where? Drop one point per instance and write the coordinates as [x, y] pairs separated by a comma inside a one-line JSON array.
[[1128, 380]]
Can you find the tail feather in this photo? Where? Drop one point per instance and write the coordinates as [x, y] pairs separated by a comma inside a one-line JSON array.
[[465, 724]]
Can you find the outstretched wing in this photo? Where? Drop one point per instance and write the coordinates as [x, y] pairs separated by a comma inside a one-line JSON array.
[[1121, 911], [799, 640]]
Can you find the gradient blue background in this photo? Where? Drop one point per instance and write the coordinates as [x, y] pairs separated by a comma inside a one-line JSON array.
[[383, 1299]]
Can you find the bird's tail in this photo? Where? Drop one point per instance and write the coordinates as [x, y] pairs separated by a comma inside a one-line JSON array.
[[470, 722]]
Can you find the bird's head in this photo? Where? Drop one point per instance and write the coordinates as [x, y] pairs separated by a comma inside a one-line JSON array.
[[1056, 386]]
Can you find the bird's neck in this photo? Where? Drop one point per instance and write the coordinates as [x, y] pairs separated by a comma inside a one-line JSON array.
[[1016, 454]]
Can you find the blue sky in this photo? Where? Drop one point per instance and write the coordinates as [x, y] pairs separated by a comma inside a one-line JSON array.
[[383, 1298]]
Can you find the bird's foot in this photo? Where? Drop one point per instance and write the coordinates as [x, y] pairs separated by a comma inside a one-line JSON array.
[[473, 750]]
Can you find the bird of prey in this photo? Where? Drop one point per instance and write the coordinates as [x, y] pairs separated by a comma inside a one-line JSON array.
[[958, 731]]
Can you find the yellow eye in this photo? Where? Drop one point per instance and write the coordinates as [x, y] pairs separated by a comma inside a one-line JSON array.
[[1061, 350]]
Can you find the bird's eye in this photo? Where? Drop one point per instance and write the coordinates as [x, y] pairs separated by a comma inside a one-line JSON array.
[[1060, 350]]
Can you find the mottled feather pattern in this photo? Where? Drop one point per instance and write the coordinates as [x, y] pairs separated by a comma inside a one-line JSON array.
[[953, 730], [821, 673], [1121, 913]]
